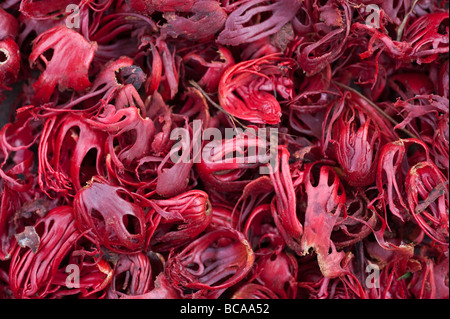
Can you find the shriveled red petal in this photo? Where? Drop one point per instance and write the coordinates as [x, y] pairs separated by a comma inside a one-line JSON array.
[[9, 27], [278, 272], [284, 204], [429, 36], [221, 171], [325, 203], [127, 127], [150, 6], [427, 195], [254, 291], [31, 272], [10, 63], [184, 217], [216, 260], [358, 141], [45, 9], [132, 275], [391, 173], [214, 60], [163, 290], [66, 145], [330, 36]]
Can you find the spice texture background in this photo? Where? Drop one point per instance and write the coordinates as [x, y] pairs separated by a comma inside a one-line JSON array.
[[224, 149]]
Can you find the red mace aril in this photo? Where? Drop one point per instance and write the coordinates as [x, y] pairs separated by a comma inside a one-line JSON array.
[[308, 109], [356, 225], [117, 83], [36, 265], [154, 64], [422, 41], [20, 197], [161, 64], [163, 290], [216, 260], [255, 194], [10, 57], [353, 134], [429, 36], [173, 171], [161, 115], [410, 84], [427, 196], [444, 80], [371, 76], [115, 221], [246, 90], [183, 218], [5, 292], [150, 6], [196, 106], [222, 216], [17, 211], [389, 284], [421, 113], [16, 158], [86, 274], [440, 145], [395, 49]]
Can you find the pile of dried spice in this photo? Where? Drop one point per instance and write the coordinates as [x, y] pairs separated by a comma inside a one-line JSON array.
[[291, 149]]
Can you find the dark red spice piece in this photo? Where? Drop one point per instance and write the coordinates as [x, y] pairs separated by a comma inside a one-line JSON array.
[[205, 149]]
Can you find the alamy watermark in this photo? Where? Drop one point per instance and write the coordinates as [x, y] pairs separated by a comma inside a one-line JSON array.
[[373, 277], [73, 277], [73, 19]]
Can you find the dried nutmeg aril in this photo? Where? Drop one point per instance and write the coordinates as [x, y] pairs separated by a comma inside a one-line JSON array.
[[232, 149]]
